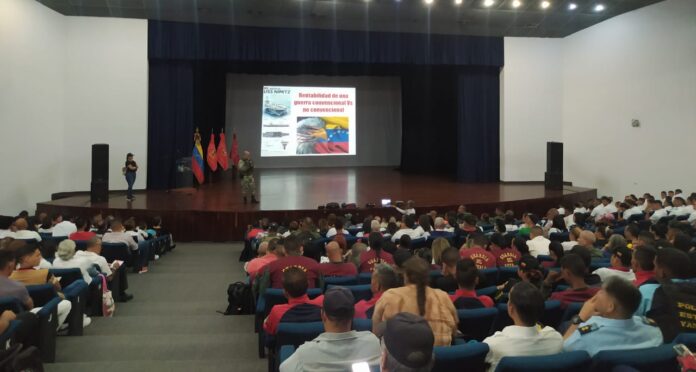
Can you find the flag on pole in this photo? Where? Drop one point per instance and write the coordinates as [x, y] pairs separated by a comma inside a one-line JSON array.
[[197, 158], [212, 157], [222, 151], [234, 152]]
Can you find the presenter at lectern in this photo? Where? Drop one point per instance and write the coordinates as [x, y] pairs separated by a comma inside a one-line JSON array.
[[246, 171]]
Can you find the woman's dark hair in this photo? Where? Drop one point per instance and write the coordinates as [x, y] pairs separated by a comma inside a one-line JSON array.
[[81, 224], [338, 225], [557, 249], [531, 268], [500, 226], [559, 223], [528, 301], [367, 226], [392, 228], [416, 271], [424, 222], [520, 243], [405, 241], [580, 218], [499, 240], [46, 223], [375, 241]]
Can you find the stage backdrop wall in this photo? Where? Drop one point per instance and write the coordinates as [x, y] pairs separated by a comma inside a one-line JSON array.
[[67, 82], [378, 117]]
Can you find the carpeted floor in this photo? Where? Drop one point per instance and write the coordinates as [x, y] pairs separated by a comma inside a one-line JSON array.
[[172, 324]]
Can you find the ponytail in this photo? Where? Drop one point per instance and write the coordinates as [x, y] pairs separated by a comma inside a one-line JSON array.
[[416, 270]]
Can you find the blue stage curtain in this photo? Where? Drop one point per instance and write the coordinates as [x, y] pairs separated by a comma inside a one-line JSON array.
[[188, 41], [478, 125], [449, 83]]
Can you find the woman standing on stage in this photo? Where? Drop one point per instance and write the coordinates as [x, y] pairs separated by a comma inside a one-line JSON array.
[[129, 171]]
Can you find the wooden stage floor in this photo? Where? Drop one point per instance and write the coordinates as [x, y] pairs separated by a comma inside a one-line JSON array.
[[216, 212]]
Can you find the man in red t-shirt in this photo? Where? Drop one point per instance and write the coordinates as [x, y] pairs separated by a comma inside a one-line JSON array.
[[467, 278], [295, 290], [573, 271], [383, 277], [273, 271], [375, 255], [336, 266], [480, 256], [82, 233], [274, 251], [505, 256]]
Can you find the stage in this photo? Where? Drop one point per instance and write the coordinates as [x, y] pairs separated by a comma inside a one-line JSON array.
[[215, 211]]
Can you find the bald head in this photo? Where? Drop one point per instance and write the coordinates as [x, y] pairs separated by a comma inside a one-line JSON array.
[[333, 252], [21, 224], [586, 238]]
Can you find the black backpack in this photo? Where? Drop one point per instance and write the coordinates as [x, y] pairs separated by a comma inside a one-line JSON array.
[[16, 358], [240, 299]]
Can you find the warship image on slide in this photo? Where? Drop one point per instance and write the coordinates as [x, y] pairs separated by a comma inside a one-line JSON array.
[[275, 109]]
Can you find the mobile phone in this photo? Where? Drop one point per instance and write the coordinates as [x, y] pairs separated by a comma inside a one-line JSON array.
[[361, 367]]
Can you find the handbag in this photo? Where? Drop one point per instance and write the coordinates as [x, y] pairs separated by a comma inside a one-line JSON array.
[[108, 304]]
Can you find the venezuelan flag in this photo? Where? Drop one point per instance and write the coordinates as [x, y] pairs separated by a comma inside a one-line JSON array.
[[197, 162]]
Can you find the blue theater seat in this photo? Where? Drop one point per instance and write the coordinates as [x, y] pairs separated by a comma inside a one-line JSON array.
[[470, 356], [660, 358], [573, 361], [477, 324]]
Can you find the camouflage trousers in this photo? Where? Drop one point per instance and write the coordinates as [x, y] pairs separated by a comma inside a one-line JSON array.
[[248, 186]]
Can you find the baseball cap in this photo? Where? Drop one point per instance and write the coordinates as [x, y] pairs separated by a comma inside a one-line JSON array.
[[338, 302], [529, 263], [409, 339]]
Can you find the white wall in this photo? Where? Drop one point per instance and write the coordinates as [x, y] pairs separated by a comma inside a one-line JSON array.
[[531, 101], [640, 65], [106, 80], [32, 58], [65, 83]]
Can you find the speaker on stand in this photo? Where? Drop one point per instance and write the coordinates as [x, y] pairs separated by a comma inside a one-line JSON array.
[[99, 188], [553, 178]]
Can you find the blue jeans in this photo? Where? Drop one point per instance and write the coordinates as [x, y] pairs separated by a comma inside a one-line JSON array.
[[143, 253], [130, 178]]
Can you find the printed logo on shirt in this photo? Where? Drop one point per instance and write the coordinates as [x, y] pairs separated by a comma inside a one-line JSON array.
[[509, 259], [480, 260], [294, 266]]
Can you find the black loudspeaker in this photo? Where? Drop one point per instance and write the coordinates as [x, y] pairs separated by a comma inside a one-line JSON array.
[[553, 178], [99, 188]]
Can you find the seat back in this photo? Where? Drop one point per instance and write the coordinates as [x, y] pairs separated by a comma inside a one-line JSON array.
[[660, 358], [117, 251], [490, 276], [467, 357], [340, 280], [67, 276], [42, 294], [12, 304], [275, 296], [295, 334], [80, 245], [364, 278], [553, 313], [477, 323], [362, 324], [360, 291], [418, 243], [572, 361], [468, 303], [507, 273], [572, 309]]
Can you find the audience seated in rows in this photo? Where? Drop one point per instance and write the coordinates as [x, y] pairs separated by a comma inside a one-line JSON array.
[[383, 278], [295, 290], [336, 266], [338, 347], [465, 296]]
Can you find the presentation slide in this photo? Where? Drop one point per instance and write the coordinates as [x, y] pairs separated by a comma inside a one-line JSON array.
[[307, 121]]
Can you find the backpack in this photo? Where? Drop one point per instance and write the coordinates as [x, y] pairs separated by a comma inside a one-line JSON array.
[[17, 358], [240, 299]]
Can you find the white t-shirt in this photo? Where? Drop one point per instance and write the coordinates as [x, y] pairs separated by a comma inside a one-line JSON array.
[[64, 228], [538, 245], [580, 210], [522, 341], [658, 214], [410, 232], [610, 208], [95, 259], [26, 234], [630, 212], [598, 211], [75, 262], [679, 211]]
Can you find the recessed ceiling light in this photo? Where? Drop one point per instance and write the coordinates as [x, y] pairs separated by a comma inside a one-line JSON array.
[[458, 2], [545, 4], [598, 8], [488, 3], [428, 1], [516, 3], [572, 6]]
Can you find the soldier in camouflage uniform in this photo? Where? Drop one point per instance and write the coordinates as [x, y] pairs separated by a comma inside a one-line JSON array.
[[246, 170]]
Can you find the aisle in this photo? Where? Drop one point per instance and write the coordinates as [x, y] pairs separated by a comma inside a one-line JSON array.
[[171, 325]]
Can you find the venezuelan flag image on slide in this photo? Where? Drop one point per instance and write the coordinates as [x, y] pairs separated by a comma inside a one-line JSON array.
[[197, 159], [323, 135]]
